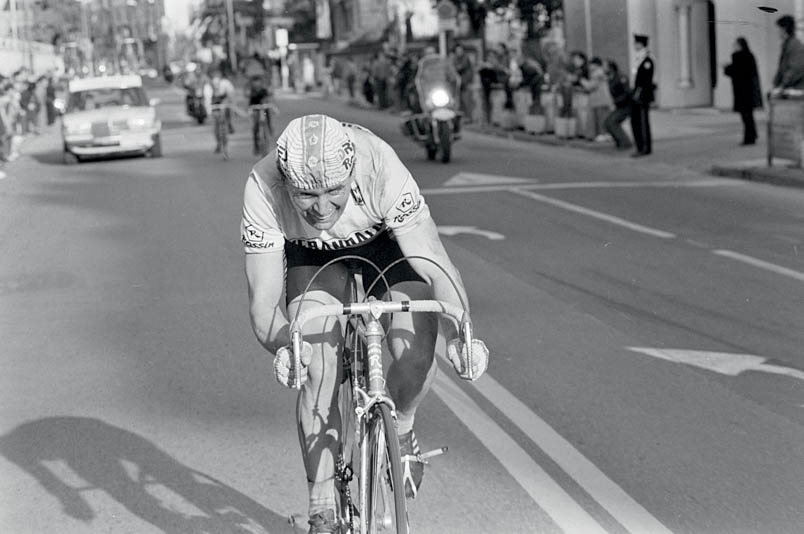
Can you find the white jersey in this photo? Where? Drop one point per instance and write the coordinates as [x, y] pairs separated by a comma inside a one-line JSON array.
[[384, 195]]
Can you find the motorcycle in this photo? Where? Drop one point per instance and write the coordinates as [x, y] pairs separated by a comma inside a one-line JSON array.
[[435, 121], [194, 102]]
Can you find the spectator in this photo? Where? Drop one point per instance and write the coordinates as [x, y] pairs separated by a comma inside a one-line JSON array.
[[642, 96], [466, 72], [405, 79], [533, 77], [504, 75], [745, 84], [380, 73], [491, 72], [336, 74], [621, 97], [50, 100], [578, 68], [350, 75], [790, 74], [30, 108], [368, 83], [600, 101]]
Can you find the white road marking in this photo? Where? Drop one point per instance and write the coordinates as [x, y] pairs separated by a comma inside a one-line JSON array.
[[725, 363], [596, 214], [473, 178], [797, 275], [455, 230], [566, 513], [606, 492]]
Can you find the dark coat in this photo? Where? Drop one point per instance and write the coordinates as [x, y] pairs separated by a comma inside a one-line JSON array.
[[744, 81], [620, 94], [643, 82]]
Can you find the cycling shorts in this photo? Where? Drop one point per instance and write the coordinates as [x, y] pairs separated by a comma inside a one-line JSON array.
[[303, 262]]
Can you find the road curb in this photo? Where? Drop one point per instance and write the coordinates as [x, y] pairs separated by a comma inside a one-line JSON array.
[[772, 175]]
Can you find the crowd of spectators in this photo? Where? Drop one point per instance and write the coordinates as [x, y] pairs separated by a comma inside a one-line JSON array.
[[21, 105]]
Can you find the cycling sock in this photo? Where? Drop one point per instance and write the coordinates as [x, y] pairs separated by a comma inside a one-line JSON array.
[[322, 495], [404, 423]]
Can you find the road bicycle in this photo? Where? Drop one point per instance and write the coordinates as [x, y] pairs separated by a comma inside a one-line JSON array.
[[369, 463], [220, 128], [262, 127]]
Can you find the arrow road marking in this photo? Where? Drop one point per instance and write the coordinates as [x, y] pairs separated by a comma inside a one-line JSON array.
[[725, 363], [455, 230], [473, 178]]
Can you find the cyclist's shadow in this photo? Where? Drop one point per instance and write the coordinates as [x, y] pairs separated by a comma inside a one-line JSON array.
[[133, 471]]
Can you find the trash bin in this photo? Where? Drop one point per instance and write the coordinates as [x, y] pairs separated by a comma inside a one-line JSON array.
[[786, 127]]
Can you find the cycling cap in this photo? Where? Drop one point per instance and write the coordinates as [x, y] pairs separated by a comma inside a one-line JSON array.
[[315, 151]]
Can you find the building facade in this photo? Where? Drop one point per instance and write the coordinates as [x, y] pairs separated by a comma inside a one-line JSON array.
[[691, 40]]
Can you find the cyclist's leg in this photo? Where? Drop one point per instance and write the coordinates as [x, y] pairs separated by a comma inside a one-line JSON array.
[[317, 411], [411, 341]]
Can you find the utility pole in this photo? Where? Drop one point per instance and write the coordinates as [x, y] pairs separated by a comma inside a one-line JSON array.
[[230, 25]]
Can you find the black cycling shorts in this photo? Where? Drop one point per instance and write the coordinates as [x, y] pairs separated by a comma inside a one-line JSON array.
[[303, 262]]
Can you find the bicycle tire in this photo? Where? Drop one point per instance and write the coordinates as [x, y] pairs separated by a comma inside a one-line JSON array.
[[349, 453], [386, 486]]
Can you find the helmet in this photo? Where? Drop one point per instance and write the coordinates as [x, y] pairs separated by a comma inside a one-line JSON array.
[[315, 151]]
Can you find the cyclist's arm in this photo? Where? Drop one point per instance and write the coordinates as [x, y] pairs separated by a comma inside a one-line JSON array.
[[423, 240], [265, 275]]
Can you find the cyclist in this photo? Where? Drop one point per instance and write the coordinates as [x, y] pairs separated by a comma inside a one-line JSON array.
[[258, 94], [219, 91], [328, 190]]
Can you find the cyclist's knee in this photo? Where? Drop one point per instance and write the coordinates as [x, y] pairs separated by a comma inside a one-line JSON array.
[[325, 334]]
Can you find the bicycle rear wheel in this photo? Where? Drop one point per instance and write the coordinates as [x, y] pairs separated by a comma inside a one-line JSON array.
[[387, 508]]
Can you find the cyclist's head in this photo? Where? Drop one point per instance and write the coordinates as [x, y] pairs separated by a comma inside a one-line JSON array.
[[315, 152]]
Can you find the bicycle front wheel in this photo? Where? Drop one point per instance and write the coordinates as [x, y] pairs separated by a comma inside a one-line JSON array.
[[387, 509]]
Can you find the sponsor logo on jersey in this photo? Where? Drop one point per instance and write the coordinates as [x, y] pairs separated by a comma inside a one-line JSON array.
[[254, 237], [353, 240], [407, 206]]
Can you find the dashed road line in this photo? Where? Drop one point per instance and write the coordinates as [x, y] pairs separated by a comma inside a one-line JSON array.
[[762, 264]]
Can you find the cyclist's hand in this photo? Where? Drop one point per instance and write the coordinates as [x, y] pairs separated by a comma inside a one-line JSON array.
[[283, 365], [456, 353]]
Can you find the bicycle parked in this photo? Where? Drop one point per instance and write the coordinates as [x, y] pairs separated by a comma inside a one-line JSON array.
[[368, 441]]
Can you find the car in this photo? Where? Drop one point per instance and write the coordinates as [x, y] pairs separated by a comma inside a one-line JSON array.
[[109, 115]]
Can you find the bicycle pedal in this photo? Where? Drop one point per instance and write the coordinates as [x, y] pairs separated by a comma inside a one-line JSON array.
[[423, 457]]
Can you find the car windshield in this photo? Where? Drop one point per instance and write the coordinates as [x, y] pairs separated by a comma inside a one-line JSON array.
[[106, 97]]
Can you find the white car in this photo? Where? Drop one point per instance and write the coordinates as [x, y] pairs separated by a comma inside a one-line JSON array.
[[109, 115]]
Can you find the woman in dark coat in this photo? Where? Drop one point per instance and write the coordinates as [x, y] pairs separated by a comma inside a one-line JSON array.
[[747, 93]]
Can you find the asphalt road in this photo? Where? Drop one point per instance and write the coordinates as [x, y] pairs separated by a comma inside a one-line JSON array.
[[645, 324]]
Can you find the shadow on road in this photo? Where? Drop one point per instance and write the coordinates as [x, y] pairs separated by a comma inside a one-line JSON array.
[[150, 483]]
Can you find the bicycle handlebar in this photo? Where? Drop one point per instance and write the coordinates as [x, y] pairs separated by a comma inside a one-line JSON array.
[[378, 308]]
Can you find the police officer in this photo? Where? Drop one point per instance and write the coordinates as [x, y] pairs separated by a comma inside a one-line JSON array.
[[642, 96]]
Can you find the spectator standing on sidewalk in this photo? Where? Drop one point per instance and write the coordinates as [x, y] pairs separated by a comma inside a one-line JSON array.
[[491, 73], [600, 101], [790, 74], [31, 107], [745, 83], [621, 97], [642, 96], [380, 73], [350, 75], [50, 100], [466, 72]]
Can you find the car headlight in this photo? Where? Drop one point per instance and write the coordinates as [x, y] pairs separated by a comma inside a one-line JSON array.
[[439, 97], [138, 123], [78, 128]]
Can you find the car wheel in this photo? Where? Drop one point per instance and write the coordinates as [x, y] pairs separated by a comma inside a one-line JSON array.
[[156, 150], [69, 158]]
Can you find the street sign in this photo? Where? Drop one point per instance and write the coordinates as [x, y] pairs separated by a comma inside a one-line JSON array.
[[447, 16], [281, 37]]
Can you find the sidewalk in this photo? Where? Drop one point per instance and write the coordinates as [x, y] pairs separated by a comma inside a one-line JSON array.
[[704, 140]]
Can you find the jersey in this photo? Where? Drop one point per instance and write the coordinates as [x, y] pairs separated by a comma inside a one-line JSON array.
[[384, 196]]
